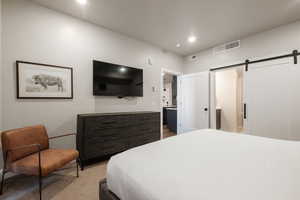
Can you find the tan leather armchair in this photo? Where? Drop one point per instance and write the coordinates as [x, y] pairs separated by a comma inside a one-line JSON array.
[[26, 151]]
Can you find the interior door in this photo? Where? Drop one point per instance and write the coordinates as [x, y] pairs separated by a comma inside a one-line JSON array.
[[272, 96], [193, 102]]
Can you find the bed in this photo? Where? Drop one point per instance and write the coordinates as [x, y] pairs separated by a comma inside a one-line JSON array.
[[206, 165]]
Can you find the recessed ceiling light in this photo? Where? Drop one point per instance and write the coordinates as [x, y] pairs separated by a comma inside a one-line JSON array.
[[178, 45], [82, 2], [192, 39], [122, 69]]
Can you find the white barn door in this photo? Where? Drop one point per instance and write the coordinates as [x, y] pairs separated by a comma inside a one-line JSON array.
[[193, 102], [272, 97]]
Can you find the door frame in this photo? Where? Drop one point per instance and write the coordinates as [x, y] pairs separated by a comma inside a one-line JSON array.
[[175, 73], [209, 94], [213, 97]]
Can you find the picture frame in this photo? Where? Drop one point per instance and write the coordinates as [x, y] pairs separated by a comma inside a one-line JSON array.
[[43, 81]]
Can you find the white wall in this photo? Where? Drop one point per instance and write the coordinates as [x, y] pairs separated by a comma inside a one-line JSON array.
[[1, 83], [275, 42], [34, 33], [226, 99]]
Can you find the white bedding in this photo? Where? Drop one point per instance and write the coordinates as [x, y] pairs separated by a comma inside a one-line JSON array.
[[208, 165]]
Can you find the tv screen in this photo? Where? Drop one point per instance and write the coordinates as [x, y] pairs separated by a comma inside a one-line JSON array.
[[117, 80]]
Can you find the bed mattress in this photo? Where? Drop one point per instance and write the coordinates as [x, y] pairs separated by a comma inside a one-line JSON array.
[[208, 165]]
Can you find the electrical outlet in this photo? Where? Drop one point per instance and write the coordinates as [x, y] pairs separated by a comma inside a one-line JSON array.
[[149, 61]]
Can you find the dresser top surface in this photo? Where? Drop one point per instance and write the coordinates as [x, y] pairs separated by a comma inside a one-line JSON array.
[[117, 113]]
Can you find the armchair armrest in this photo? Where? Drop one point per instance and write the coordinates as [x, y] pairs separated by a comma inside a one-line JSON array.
[[59, 136], [22, 147]]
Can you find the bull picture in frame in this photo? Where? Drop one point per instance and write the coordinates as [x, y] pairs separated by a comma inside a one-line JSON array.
[[42, 81]]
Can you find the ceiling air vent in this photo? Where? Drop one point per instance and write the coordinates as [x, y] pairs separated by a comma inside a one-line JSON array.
[[227, 46]]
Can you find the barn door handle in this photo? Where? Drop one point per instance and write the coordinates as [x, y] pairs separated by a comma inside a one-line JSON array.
[[245, 111]]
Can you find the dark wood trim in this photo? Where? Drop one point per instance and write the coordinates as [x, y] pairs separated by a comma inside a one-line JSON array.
[[46, 65], [59, 136]]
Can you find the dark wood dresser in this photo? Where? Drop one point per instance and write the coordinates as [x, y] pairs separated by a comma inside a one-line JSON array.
[[102, 135]]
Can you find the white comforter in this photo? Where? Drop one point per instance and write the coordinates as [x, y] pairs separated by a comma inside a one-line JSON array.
[[208, 165]]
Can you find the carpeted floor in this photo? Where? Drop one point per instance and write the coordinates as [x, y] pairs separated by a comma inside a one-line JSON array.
[[62, 185]]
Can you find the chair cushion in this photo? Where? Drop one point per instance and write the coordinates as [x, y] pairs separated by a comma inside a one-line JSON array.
[[51, 160]]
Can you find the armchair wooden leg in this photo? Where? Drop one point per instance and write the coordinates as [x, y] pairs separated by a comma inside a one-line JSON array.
[[2, 181], [77, 167], [40, 175], [81, 164], [40, 186], [3, 172]]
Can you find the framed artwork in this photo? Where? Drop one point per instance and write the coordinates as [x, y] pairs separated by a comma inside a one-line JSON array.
[[42, 81]]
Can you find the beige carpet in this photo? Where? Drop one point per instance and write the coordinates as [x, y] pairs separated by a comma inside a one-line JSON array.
[[62, 185]]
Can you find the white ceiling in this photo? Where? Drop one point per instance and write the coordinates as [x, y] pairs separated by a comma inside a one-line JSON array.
[[165, 23]]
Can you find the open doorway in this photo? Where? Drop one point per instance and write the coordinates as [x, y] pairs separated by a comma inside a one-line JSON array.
[[229, 100], [169, 104]]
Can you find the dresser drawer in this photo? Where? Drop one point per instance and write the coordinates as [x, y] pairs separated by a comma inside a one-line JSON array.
[[115, 132], [102, 149], [112, 135], [96, 124], [147, 118], [141, 140]]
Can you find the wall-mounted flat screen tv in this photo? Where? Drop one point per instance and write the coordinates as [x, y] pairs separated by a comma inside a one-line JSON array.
[[117, 80]]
